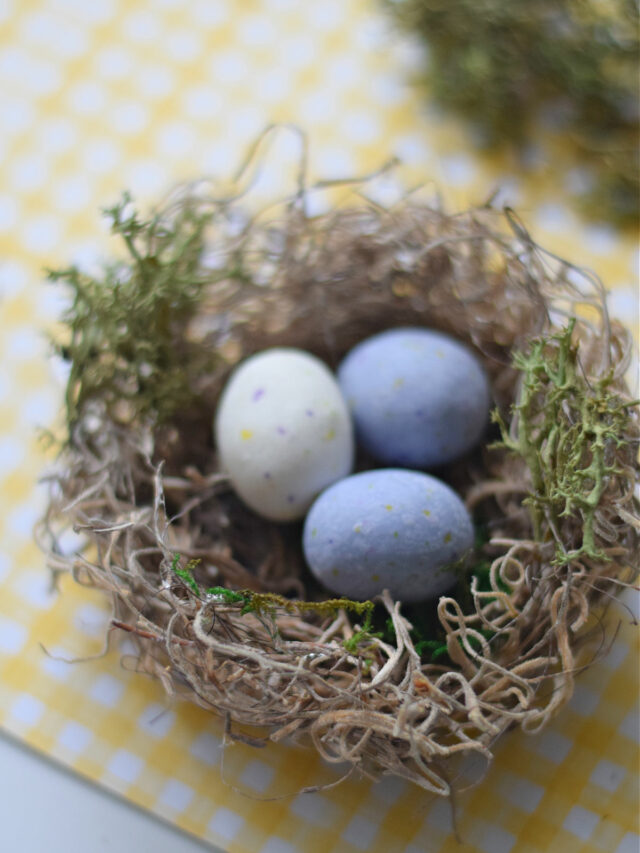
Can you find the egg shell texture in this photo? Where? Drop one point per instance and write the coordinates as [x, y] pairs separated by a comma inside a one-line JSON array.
[[387, 529], [283, 432], [419, 398]]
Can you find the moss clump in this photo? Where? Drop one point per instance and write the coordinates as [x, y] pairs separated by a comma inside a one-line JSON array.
[[502, 64], [124, 338], [268, 603], [565, 429]]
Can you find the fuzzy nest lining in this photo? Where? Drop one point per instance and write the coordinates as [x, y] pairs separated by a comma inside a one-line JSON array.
[[138, 476]]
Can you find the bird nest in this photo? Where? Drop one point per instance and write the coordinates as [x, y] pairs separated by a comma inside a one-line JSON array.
[[218, 601]]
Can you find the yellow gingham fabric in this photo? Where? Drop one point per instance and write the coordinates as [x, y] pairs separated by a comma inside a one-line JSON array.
[[101, 95]]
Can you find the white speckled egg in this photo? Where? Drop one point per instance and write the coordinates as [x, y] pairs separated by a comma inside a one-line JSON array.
[[283, 432], [387, 529], [419, 398]]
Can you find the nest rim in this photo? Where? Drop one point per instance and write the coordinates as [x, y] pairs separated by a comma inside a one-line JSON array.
[[261, 660]]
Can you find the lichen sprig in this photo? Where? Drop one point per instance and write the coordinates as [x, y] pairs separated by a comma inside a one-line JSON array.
[[565, 427], [124, 336]]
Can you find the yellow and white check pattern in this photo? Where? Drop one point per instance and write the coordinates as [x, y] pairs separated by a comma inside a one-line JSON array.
[[101, 95]]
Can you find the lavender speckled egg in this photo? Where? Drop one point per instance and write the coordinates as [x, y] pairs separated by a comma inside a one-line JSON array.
[[418, 397], [283, 432], [387, 529]]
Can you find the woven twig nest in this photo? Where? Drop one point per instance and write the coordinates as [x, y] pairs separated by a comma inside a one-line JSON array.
[[138, 477]]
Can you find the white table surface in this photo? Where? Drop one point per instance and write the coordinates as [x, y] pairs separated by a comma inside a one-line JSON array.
[[47, 809]]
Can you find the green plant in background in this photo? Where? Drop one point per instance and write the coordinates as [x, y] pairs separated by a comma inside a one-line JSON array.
[[124, 328], [504, 63]]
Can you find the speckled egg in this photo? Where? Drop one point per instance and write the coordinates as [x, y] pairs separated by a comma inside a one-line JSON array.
[[387, 529], [283, 432], [419, 398]]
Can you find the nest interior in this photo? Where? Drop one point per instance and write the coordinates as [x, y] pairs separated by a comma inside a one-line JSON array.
[[242, 631]]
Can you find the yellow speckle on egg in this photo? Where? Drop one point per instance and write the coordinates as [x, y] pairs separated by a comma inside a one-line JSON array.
[[388, 507], [357, 528], [330, 435], [375, 578], [399, 382], [314, 532], [246, 434], [426, 512], [439, 353], [447, 537], [411, 344], [335, 572]]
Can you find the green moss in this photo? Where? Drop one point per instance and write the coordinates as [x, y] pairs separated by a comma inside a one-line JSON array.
[[229, 596], [124, 335], [360, 641], [269, 603], [186, 574]]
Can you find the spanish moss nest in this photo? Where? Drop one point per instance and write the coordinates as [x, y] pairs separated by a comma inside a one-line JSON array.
[[218, 601]]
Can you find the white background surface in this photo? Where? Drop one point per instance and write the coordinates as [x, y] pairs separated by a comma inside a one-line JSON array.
[[46, 809]]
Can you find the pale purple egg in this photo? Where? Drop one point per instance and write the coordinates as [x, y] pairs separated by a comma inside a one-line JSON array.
[[419, 398], [393, 529]]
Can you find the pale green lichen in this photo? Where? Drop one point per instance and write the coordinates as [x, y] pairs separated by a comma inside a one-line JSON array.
[[566, 427]]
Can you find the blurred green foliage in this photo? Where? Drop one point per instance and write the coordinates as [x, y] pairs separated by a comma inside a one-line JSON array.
[[507, 64]]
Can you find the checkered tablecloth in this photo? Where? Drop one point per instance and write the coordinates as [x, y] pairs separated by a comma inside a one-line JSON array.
[[101, 95]]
